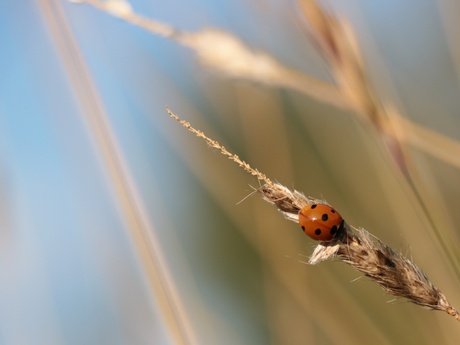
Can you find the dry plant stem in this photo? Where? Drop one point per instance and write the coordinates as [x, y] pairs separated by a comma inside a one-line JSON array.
[[138, 226], [214, 144], [395, 273], [226, 54], [337, 43]]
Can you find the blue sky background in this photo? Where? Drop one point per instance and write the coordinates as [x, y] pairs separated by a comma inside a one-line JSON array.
[[69, 272]]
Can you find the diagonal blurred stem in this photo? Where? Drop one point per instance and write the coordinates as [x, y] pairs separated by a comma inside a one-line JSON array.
[[136, 221], [358, 99], [224, 53], [337, 43]]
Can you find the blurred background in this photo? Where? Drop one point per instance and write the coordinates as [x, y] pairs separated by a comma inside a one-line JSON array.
[[117, 226]]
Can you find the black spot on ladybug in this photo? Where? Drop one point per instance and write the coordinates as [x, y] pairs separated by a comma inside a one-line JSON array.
[[303, 228], [318, 232], [332, 210], [313, 206], [324, 217]]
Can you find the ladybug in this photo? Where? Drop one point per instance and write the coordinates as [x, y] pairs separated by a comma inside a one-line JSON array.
[[320, 221]]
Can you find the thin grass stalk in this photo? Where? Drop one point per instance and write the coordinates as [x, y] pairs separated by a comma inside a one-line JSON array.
[[396, 274], [337, 43], [137, 224], [226, 54]]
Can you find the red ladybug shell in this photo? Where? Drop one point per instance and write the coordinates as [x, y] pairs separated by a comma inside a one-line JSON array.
[[321, 222]]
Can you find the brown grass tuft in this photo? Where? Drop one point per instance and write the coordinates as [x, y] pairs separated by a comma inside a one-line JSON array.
[[396, 274]]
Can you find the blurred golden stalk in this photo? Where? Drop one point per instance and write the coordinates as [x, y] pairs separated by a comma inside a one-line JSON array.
[[136, 221], [337, 43], [224, 53]]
